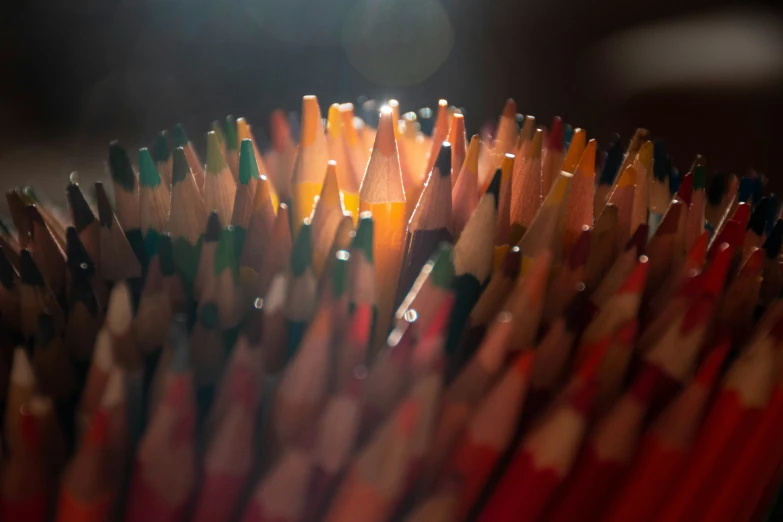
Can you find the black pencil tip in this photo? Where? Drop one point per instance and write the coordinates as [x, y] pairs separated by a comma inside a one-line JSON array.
[[180, 168], [443, 163], [120, 166], [494, 187], [81, 213], [105, 213], [28, 270], [166, 254], [213, 227]]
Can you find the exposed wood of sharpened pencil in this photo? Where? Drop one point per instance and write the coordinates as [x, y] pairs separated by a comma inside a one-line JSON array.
[[382, 194], [310, 165], [473, 257], [464, 195], [429, 224]]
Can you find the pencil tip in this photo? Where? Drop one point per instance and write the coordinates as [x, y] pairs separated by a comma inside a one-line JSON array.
[[28, 270], [166, 254], [302, 250], [230, 133], [699, 177], [639, 239], [443, 162], [685, 190], [362, 241], [340, 273], [248, 168], [215, 160], [225, 253], [80, 211], [179, 168], [179, 136], [661, 161], [213, 227], [614, 158], [105, 212], [160, 150], [120, 166], [494, 187], [148, 172], [556, 135], [442, 273]]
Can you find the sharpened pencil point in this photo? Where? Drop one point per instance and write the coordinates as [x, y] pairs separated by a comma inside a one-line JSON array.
[[442, 274], [363, 239], [120, 166], [614, 158], [180, 168], [28, 270], [494, 186], [248, 168], [160, 150], [340, 273], [213, 227], [179, 136], [302, 251], [230, 133], [148, 173], [225, 254], [556, 135], [699, 177], [443, 162], [80, 210], [215, 160]]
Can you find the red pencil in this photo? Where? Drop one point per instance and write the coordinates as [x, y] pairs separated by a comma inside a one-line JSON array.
[[666, 446], [546, 454]]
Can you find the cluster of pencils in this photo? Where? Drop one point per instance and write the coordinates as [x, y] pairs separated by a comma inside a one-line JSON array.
[[375, 324]]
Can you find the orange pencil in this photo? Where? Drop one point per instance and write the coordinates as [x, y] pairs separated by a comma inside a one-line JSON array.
[[310, 165], [458, 142], [643, 165], [575, 151], [507, 133], [382, 194]]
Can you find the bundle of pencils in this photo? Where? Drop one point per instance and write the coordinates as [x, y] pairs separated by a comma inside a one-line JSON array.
[[372, 323]]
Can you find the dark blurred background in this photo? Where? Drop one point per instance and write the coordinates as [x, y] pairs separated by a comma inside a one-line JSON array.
[[707, 76]]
